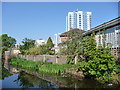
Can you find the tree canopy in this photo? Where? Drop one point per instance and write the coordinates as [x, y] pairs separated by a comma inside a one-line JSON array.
[[6, 42], [73, 45], [27, 43], [29, 48], [98, 61], [49, 43]]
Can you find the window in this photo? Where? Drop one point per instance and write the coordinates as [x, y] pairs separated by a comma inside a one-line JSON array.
[[118, 27]]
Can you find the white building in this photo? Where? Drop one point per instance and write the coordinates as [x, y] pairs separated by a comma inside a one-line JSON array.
[[108, 32], [78, 19], [57, 39], [39, 42], [112, 38]]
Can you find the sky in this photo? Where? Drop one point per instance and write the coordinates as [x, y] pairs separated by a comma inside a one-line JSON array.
[[36, 20]]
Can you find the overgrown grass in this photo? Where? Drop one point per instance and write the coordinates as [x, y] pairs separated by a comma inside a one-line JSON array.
[[40, 66]]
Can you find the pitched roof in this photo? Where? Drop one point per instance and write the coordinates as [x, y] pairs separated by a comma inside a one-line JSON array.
[[71, 30], [109, 24]]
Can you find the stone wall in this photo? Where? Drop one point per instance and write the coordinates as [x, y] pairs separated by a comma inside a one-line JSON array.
[[45, 58]]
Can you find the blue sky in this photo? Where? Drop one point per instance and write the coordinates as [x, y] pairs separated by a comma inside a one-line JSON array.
[[43, 19]]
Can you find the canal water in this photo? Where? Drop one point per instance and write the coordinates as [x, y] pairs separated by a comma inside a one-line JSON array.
[[16, 78]]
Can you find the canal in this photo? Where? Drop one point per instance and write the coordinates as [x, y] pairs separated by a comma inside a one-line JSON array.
[[13, 77]]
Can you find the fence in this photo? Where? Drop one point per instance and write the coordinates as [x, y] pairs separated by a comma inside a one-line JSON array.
[[45, 58]]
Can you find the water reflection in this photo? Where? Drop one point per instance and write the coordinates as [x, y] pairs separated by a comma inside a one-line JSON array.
[[27, 81], [5, 73], [33, 79]]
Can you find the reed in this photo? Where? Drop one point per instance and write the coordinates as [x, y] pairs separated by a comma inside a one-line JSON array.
[[40, 66]]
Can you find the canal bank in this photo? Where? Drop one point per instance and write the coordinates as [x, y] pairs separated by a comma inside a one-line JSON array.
[[48, 67], [21, 78]]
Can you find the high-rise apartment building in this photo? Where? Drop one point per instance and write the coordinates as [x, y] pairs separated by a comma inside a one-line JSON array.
[[78, 19]]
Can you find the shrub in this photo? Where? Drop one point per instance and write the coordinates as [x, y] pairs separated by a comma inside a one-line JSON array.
[[99, 62], [70, 60]]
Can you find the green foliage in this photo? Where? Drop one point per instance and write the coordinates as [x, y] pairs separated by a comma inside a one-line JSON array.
[[88, 44], [3, 50], [29, 48], [118, 51], [99, 62], [53, 68], [24, 63], [95, 61], [27, 43], [46, 50], [73, 45], [34, 51], [5, 73], [117, 69], [6, 42], [70, 60], [49, 43], [38, 50], [41, 66]]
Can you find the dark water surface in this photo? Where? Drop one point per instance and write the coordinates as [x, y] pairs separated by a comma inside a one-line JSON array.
[[28, 79]]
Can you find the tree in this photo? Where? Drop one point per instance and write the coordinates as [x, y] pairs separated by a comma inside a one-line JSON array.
[[36, 50], [50, 43], [88, 44], [73, 45], [98, 62], [5, 73], [27, 43], [29, 48], [6, 42]]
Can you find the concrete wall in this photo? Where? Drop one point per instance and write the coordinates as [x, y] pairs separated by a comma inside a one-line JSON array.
[[44, 58]]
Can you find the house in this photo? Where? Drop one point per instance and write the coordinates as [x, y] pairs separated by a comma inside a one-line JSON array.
[[65, 36], [39, 42], [110, 29]]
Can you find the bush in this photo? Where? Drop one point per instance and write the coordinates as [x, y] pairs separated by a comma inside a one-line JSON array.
[[70, 60], [99, 62]]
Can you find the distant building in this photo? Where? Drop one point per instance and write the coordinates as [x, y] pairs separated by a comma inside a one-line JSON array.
[[57, 39], [78, 19], [39, 42]]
